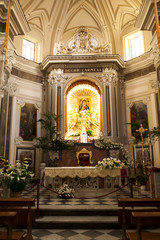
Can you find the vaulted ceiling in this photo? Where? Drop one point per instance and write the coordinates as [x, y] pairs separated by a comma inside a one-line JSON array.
[[55, 21]]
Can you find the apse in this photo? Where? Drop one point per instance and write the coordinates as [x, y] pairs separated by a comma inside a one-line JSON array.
[[83, 111]]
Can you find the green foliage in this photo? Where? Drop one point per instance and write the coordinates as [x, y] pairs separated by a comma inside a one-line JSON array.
[[89, 132], [141, 178], [151, 135], [3, 162], [52, 140], [16, 177]]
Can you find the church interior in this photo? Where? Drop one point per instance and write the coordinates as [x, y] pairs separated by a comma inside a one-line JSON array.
[[80, 119]]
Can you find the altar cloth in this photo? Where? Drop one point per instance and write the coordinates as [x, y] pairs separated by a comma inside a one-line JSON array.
[[81, 172]]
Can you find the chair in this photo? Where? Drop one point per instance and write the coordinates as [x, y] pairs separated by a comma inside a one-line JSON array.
[[124, 175], [84, 157]]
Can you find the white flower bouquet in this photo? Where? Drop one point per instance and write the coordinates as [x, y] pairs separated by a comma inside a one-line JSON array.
[[65, 191], [110, 163], [16, 176]]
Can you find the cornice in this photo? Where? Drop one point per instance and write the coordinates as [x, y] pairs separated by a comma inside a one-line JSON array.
[[18, 18], [145, 16], [28, 66], [139, 63], [75, 59]]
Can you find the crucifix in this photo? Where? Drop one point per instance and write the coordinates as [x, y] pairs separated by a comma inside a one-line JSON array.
[[142, 130]]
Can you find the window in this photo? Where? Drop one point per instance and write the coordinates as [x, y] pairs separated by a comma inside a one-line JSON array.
[[29, 50], [134, 45]]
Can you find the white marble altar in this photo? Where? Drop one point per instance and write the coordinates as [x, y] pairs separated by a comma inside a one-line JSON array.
[[111, 176]]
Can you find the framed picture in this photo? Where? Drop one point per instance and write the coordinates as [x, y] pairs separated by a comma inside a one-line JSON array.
[[28, 122], [84, 103], [29, 154], [139, 115], [138, 154]]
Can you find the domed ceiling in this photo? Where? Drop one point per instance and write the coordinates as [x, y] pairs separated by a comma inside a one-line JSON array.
[[56, 21]]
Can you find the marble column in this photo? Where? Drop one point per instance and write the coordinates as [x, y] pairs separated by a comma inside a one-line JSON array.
[[3, 124], [12, 131]]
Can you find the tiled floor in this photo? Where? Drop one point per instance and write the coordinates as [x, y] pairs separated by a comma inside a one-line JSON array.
[[76, 234], [49, 199]]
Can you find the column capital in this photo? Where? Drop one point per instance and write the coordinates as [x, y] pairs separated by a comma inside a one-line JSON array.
[[109, 75], [57, 76], [155, 84]]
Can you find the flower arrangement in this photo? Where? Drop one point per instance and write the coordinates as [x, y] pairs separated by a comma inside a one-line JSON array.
[[65, 191], [101, 143], [16, 176], [110, 163], [3, 162]]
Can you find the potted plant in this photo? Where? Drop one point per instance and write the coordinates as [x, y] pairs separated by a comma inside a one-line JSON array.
[[52, 141], [16, 176], [141, 179]]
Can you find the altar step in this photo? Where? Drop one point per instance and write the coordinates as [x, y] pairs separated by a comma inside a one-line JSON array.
[[77, 222], [77, 219]]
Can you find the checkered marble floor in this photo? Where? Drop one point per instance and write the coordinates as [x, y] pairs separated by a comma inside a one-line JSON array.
[[77, 234], [109, 234], [48, 199]]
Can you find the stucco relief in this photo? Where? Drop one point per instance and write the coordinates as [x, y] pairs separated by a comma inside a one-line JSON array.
[[20, 101], [155, 84], [10, 59], [18, 140], [11, 88], [109, 75], [57, 76], [155, 54]]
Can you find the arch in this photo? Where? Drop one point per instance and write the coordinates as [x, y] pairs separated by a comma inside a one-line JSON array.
[[77, 90], [83, 80]]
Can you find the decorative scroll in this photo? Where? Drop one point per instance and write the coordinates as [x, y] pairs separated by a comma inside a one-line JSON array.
[[81, 172]]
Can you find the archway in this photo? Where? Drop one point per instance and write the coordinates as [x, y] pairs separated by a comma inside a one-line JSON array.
[[83, 109]]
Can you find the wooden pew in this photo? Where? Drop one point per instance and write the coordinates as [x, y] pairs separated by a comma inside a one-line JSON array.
[[147, 219], [25, 213], [130, 205], [9, 219]]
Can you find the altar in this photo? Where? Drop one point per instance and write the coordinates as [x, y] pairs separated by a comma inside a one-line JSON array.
[[84, 177]]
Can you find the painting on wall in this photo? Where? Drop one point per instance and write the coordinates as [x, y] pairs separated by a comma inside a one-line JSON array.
[[138, 115], [27, 154], [84, 103], [28, 122]]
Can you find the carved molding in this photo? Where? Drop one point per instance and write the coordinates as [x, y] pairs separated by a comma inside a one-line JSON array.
[[122, 87], [11, 88], [83, 42], [155, 84], [155, 54], [146, 100], [57, 76], [133, 101], [37, 105], [10, 59], [20, 101], [109, 75], [130, 103], [18, 140]]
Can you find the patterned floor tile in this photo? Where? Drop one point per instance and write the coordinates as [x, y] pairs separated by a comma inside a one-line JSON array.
[[67, 233]]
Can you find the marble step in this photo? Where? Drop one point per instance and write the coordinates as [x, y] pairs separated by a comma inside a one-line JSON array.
[[77, 222], [78, 212]]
